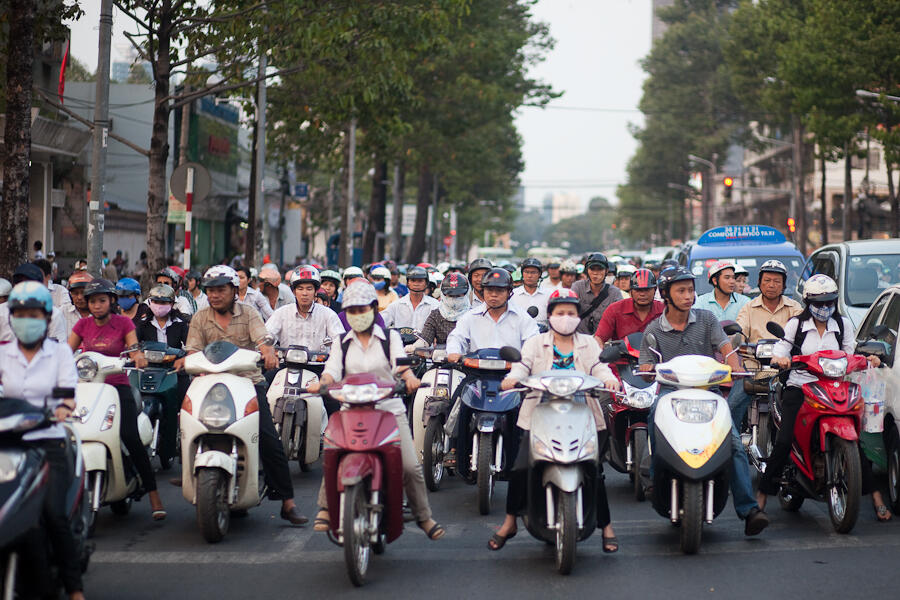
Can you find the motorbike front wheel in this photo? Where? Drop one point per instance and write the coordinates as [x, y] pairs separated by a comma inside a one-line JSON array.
[[213, 515], [485, 475], [287, 434], [844, 494], [692, 516], [640, 455], [355, 529], [765, 438], [566, 531], [433, 454]]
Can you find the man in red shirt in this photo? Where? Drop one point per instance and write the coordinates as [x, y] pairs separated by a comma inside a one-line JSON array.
[[633, 314]]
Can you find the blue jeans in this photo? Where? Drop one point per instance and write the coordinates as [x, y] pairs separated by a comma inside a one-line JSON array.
[[741, 486]]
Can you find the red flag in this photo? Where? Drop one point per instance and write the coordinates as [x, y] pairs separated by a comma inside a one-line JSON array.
[[62, 72]]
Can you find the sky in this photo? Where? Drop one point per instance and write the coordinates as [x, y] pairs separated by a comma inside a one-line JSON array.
[[595, 65]]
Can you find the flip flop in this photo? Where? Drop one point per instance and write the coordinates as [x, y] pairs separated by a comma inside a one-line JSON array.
[[159, 515], [500, 540], [435, 533], [610, 541], [882, 513]]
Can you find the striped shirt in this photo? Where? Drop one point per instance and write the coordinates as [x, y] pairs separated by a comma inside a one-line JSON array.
[[703, 335]]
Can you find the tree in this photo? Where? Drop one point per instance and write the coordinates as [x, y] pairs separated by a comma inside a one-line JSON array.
[[77, 71], [138, 74], [586, 232]]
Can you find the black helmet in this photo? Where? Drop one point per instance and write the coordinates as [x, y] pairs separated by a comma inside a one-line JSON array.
[[170, 273], [497, 278], [596, 259], [100, 286], [670, 276], [480, 263], [193, 275], [416, 273], [454, 285], [669, 262], [508, 267], [643, 279], [531, 262]]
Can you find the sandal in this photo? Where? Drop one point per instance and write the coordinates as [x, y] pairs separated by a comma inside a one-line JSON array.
[[159, 515], [882, 513], [435, 533], [322, 524], [610, 544], [500, 540]]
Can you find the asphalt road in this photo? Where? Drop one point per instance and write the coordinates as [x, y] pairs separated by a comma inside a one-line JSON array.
[[798, 556]]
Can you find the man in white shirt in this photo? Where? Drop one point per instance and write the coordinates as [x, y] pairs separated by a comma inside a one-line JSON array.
[[553, 281], [413, 309], [305, 323], [494, 324], [477, 270], [248, 295], [529, 293], [57, 330], [193, 279], [58, 292], [77, 309]]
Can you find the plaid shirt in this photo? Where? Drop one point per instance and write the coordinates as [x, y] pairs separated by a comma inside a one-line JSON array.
[[246, 330]]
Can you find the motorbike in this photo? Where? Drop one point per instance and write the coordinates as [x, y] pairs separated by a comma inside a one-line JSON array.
[[757, 430], [26, 554], [491, 417], [220, 437], [431, 409], [563, 461], [626, 416], [825, 461], [112, 478], [691, 456], [158, 387], [363, 470], [299, 417]]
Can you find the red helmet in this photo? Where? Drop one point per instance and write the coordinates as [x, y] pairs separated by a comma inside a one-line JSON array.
[[178, 271], [561, 296], [643, 279]]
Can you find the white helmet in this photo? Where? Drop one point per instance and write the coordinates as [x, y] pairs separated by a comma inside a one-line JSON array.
[[352, 272], [306, 274], [719, 266], [380, 271], [359, 292], [740, 270], [625, 270], [220, 275], [820, 288], [5, 288]]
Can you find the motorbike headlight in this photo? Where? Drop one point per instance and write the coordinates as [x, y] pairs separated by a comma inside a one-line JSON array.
[[718, 375], [694, 410], [217, 410], [360, 394], [155, 356], [108, 418], [297, 356], [10, 462], [561, 386], [639, 399], [765, 350], [833, 367], [540, 449], [87, 368]]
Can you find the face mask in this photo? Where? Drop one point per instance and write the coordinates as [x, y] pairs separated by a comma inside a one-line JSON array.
[[361, 322], [453, 308], [160, 310], [127, 302], [821, 313], [564, 324], [105, 262], [379, 285], [28, 330]]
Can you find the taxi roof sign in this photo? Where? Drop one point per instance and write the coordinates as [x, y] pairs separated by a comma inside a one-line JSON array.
[[742, 234]]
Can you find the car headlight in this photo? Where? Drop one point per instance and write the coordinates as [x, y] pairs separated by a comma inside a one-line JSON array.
[[719, 375], [540, 449], [561, 386], [295, 355], [155, 356], [10, 462], [217, 410], [87, 368], [765, 350], [694, 410], [639, 399], [833, 367]]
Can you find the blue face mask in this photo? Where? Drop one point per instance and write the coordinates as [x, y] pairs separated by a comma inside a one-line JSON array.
[[127, 302], [379, 285], [822, 313], [28, 330]]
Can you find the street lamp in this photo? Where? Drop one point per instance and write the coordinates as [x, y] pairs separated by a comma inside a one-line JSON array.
[[707, 189]]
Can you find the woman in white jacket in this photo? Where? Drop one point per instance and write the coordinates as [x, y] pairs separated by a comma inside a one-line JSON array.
[[559, 348]]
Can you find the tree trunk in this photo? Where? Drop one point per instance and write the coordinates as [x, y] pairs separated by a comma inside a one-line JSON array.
[[824, 217], [159, 148], [17, 137], [397, 226], [848, 194], [373, 244], [895, 201], [798, 187], [423, 200], [252, 200]]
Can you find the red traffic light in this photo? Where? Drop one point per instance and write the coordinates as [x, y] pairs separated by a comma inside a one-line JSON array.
[[728, 181], [792, 225], [452, 232]]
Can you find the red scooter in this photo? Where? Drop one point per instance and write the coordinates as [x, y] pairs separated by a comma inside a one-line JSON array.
[[363, 471], [825, 461]]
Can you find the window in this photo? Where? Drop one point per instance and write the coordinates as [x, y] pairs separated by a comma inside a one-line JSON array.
[[891, 319], [871, 318], [824, 264]]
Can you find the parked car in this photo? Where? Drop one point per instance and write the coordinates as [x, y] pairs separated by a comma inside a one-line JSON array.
[[862, 269]]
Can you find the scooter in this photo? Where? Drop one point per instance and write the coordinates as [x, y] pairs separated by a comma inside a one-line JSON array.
[[112, 479], [26, 555], [825, 462], [757, 429], [158, 387], [220, 437], [363, 471], [626, 416], [563, 461], [431, 409], [299, 417], [692, 449]]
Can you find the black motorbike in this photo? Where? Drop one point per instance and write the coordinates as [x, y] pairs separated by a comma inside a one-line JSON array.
[[158, 385]]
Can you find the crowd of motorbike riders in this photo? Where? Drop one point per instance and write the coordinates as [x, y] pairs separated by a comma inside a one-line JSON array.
[[578, 307]]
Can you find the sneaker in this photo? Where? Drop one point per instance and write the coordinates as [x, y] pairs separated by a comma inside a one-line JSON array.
[[755, 521]]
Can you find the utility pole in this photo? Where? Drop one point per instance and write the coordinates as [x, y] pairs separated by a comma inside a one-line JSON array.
[[98, 149], [709, 182], [397, 226], [347, 225], [261, 204], [798, 209], [452, 233], [434, 219]]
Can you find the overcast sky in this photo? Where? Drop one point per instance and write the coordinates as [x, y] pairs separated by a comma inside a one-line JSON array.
[[595, 64]]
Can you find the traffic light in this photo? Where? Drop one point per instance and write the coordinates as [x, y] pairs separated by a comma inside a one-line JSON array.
[[729, 183], [792, 225]]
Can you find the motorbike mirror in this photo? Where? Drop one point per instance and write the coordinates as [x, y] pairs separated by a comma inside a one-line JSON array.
[[59, 393], [610, 354], [731, 328], [269, 340], [651, 343], [533, 311], [872, 348], [775, 329], [510, 354]]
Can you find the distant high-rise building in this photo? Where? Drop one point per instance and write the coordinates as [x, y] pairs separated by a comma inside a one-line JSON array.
[[121, 69], [557, 207], [659, 28], [518, 199]]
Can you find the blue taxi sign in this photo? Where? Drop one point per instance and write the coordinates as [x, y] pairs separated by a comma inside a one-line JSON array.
[[738, 234]]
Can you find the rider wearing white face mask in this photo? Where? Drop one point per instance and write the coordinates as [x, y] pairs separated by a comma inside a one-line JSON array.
[[453, 305]]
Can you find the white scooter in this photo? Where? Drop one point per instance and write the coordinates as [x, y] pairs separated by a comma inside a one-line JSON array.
[[299, 417], [691, 455], [220, 437], [111, 478]]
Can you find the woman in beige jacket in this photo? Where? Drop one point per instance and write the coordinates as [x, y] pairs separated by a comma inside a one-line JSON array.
[[559, 348]]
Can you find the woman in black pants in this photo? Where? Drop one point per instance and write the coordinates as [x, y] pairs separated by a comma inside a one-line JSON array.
[[112, 334]]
